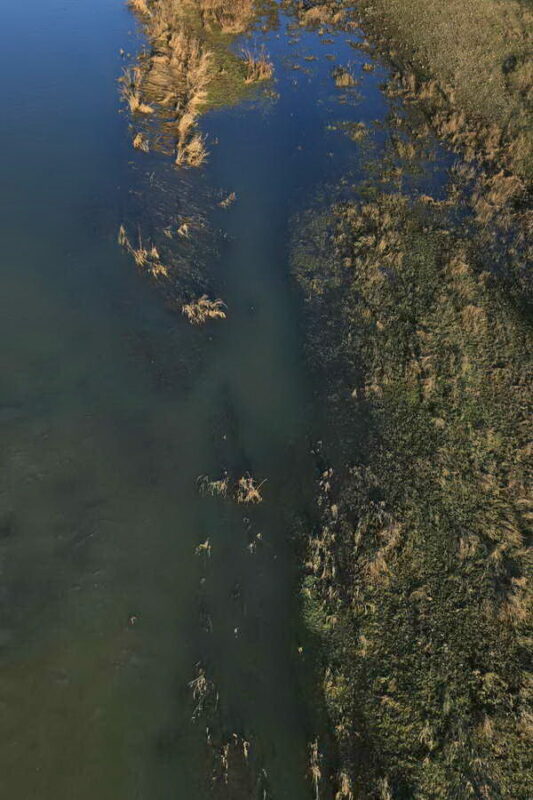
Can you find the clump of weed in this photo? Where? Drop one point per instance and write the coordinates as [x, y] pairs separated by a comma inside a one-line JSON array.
[[344, 77], [243, 490], [258, 65], [131, 91], [140, 142], [146, 257], [216, 488], [204, 309], [248, 491], [228, 201]]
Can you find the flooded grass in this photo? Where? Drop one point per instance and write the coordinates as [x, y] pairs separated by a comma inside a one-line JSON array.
[[418, 572]]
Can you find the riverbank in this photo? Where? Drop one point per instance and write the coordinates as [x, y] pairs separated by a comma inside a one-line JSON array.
[[418, 575]]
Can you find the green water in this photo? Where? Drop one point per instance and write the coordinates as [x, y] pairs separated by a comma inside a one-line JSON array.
[[112, 406]]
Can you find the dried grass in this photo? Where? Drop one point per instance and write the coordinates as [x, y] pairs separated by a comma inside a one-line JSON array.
[[258, 65], [204, 309]]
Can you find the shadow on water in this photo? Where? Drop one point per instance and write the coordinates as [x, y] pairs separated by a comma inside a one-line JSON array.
[[111, 409]]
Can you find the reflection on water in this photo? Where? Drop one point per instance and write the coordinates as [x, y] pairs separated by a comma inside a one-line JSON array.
[[111, 408]]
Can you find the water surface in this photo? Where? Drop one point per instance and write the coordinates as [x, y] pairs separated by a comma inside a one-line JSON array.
[[111, 408]]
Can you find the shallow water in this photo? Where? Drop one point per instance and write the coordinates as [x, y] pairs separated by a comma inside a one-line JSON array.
[[111, 407]]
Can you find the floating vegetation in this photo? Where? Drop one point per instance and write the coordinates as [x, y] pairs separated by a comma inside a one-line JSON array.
[[248, 491], [344, 791], [204, 309], [356, 131], [131, 91]]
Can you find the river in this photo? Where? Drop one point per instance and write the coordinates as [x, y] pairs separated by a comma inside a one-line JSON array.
[[112, 406]]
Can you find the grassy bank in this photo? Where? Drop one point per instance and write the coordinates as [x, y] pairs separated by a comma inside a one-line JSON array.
[[477, 58], [469, 64], [417, 575]]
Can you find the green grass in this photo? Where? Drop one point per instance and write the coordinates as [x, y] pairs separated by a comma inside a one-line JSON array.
[[417, 572]]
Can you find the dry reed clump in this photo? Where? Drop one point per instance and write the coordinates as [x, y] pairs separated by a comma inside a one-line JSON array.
[[204, 547], [315, 772], [344, 77], [344, 791], [184, 62], [131, 91], [140, 142], [203, 310], [244, 490], [203, 691], [248, 491], [139, 7], [146, 258], [229, 16], [228, 201], [219, 488], [321, 14], [258, 65]]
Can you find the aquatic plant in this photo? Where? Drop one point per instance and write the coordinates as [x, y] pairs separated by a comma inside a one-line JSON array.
[[140, 142], [218, 488], [258, 65], [344, 77], [189, 66], [228, 201], [203, 309], [147, 258], [248, 491], [314, 767]]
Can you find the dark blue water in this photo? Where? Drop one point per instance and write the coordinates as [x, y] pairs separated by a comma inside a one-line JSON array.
[[111, 407]]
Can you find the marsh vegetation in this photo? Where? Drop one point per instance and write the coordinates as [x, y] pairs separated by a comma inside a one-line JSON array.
[[415, 590]]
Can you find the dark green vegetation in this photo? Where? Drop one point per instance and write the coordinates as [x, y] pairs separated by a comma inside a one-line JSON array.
[[418, 313], [418, 572]]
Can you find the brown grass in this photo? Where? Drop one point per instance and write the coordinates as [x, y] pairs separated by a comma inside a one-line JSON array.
[[229, 16], [140, 142], [139, 7], [186, 59], [248, 491], [258, 65], [344, 77], [204, 309], [146, 257]]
